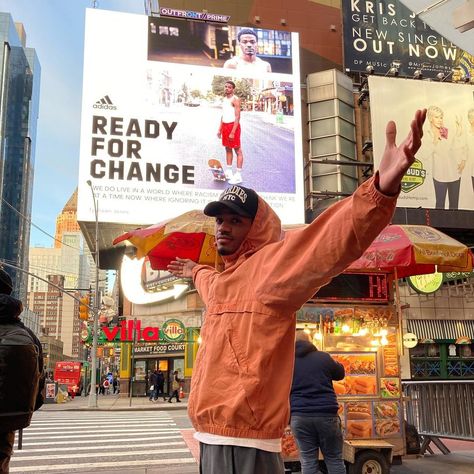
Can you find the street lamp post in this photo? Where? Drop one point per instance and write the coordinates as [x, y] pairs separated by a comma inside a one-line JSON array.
[[95, 331]]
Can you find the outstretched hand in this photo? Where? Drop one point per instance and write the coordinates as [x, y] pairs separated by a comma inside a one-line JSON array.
[[182, 267], [397, 159]]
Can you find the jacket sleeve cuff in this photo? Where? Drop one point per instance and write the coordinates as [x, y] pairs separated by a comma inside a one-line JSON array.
[[377, 195]]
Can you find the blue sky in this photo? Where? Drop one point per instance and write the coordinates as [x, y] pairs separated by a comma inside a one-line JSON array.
[[55, 28]]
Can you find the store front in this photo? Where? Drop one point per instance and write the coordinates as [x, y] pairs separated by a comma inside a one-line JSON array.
[[147, 357], [445, 349]]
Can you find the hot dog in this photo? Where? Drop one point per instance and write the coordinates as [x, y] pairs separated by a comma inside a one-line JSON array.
[[359, 429]]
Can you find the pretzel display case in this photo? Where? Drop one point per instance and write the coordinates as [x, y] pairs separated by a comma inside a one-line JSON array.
[[364, 339]]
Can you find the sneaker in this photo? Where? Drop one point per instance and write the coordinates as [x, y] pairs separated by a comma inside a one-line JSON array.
[[228, 173], [236, 179]]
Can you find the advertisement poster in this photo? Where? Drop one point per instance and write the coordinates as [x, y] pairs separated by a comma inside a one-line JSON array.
[[153, 101], [379, 33], [442, 177]]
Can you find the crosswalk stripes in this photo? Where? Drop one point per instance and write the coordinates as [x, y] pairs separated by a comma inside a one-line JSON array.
[[59, 442]]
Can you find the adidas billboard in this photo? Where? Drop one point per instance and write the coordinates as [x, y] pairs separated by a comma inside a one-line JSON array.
[[169, 74]]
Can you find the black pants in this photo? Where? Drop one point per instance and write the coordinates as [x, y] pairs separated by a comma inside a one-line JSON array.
[[6, 448], [160, 392], [174, 394], [449, 188], [218, 459]]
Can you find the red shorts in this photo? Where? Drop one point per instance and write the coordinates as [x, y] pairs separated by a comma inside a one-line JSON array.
[[225, 131]]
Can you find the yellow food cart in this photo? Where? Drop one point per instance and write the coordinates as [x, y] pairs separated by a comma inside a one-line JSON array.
[[354, 320]]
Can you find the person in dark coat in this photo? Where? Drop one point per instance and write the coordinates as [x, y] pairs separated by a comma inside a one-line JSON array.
[[175, 384], [160, 385], [152, 381], [314, 407], [12, 330]]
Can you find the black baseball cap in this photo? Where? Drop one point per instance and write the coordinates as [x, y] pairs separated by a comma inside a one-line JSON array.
[[243, 201]]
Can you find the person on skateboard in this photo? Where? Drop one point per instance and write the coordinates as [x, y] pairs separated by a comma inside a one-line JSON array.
[[229, 132]]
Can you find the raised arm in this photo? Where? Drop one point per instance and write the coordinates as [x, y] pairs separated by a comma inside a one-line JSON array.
[[397, 159], [309, 258]]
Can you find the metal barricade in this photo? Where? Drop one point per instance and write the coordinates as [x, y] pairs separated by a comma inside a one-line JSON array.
[[440, 409]]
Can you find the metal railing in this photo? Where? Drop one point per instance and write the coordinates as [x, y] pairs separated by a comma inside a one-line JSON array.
[[442, 409]]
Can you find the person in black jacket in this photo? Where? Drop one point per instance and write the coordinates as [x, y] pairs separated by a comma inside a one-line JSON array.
[[15, 391], [314, 419], [160, 385], [152, 381]]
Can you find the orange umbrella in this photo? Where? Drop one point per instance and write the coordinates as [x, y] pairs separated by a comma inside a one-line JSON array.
[[190, 235], [414, 250]]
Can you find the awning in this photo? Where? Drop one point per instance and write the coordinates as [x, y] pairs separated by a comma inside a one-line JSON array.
[[441, 329]]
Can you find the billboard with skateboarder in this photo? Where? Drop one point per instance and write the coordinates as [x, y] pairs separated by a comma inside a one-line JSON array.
[[174, 111]]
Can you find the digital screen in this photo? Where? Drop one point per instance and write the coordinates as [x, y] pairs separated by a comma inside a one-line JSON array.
[[153, 101], [355, 287]]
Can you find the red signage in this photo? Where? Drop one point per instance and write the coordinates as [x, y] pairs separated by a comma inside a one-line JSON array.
[[127, 329]]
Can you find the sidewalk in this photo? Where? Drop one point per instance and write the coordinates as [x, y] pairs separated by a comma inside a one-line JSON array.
[[115, 402], [458, 462]]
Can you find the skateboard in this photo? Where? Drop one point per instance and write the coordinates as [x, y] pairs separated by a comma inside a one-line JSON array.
[[217, 170]]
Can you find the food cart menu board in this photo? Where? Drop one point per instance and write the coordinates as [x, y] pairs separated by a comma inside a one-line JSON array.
[[371, 419], [360, 379]]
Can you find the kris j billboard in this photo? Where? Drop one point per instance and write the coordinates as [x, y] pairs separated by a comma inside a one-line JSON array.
[[379, 33], [153, 99]]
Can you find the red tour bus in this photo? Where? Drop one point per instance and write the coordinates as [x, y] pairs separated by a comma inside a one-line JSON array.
[[69, 373]]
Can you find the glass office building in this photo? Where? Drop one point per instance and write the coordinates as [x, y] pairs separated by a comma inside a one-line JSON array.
[[19, 102]]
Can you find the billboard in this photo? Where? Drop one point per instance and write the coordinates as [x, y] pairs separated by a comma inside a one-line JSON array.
[[153, 100], [442, 176], [378, 33]]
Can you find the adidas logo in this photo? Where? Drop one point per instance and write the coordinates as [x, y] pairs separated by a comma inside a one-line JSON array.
[[105, 103]]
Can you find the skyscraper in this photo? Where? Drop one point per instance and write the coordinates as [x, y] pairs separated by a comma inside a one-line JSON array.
[[19, 102], [69, 265], [67, 220]]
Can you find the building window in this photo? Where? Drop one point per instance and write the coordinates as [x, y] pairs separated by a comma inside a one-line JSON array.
[[442, 360]]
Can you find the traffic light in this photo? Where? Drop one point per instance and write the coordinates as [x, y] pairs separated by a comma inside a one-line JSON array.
[[83, 308]]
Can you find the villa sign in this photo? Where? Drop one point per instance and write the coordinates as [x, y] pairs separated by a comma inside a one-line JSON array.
[[130, 330]]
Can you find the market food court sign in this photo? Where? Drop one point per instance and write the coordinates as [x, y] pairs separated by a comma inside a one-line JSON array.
[[161, 348]]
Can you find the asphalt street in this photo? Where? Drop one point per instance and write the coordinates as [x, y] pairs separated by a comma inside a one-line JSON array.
[[86, 442], [268, 147], [151, 438]]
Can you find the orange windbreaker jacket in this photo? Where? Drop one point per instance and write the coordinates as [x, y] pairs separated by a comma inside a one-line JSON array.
[[242, 376]]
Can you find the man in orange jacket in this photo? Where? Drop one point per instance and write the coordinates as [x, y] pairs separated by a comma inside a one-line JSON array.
[[239, 399]]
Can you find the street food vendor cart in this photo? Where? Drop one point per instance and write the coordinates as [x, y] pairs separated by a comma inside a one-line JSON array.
[[354, 320], [357, 319]]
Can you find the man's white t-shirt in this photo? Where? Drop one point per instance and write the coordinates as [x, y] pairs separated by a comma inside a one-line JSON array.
[[271, 445]]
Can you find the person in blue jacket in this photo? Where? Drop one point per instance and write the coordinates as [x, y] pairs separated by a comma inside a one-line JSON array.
[[314, 420]]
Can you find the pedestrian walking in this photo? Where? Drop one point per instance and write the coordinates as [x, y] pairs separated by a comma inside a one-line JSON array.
[[115, 384], [160, 385], [152, 389], [175, 384], [21, 371], [239, 398], [315, 422]]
